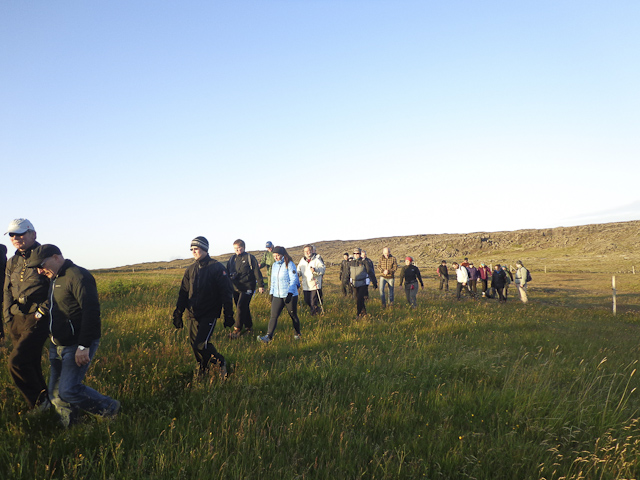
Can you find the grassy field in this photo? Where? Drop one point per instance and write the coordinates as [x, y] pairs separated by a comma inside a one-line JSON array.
[[469, 389]]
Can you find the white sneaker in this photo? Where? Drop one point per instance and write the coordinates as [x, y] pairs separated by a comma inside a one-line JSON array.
[[297, 336], [264, 339]]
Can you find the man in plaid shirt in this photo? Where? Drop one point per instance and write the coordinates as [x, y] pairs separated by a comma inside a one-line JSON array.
[[387, 266]]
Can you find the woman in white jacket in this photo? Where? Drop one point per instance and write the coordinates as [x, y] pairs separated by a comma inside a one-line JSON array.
[[311, 269]]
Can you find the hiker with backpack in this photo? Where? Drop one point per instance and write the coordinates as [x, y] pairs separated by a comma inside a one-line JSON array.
[[523, 277], [246, 277]]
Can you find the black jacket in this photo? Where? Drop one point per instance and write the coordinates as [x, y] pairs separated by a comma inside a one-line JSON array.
[[244, 272], [205, 289], [74, 314], [498, 279], [444, 271], [25, 290], [344, 271], [410, 274]]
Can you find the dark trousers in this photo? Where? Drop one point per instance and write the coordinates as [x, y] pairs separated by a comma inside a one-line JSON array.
[[243, 314], [484, 285], [473, 286], [200, 332], [277, 305], [347, 289], [25, 361], [313, 298], [502, 294], [461, 287], [361, 293], [411, 291], [444, 282]]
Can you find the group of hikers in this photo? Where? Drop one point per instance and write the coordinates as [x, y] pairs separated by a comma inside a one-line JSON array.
[[48, 296], [467, 277]]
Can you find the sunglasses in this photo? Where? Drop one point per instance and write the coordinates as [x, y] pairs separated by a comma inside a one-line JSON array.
[[17, 234]]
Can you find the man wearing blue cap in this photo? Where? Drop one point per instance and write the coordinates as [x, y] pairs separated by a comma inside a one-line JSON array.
[[24, 305]]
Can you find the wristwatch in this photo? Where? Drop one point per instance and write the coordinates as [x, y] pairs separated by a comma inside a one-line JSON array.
[[38, 315], [81, 348]]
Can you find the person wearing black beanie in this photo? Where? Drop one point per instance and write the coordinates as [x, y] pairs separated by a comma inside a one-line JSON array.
[[204, 291]]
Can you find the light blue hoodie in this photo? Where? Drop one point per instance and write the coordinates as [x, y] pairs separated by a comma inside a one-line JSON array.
[[284, 280]]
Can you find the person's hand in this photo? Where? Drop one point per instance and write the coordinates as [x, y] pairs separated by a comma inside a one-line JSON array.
[[82, 357], [177, 319], [289, 297], [261, 290]]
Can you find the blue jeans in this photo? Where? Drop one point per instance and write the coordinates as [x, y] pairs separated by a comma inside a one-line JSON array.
[[65, 383], [389, 282]]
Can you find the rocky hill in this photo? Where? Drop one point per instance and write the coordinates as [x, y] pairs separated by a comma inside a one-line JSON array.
[[597, 247]]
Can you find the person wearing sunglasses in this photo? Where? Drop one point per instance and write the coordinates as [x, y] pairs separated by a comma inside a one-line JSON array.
[[24, 305], [361, 275]]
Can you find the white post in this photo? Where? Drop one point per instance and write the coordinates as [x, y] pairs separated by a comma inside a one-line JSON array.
[[613, 285], [633, 269]]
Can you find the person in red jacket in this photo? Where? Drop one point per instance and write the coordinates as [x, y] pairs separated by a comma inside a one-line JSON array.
[[485, 273]]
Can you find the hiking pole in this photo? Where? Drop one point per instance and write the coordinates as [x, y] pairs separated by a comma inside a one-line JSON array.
[[319, 297]]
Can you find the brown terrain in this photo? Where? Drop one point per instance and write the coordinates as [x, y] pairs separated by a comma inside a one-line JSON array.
[[597, 248]]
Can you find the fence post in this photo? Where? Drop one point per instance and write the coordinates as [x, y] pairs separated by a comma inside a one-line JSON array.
[[633, 268], [613, 286]]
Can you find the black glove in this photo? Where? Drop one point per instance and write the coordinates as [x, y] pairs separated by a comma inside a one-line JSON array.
[[177, 319], [289, 297]]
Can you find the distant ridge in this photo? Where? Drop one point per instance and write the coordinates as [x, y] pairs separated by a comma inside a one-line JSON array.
[[616, 244]]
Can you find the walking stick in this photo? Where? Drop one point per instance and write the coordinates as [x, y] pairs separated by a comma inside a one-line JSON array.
[[319, 297]]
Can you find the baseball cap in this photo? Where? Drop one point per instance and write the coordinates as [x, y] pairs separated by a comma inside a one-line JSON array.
[[41, 253], [19, 226], [269, 245]]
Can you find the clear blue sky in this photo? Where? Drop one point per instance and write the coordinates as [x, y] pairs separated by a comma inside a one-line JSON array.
[[129, 127]]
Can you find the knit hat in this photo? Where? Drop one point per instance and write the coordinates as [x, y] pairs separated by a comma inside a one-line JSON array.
[[201, 243], [409, 258], [279, 250]]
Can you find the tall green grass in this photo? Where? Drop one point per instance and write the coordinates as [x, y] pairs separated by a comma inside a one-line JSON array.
[[449, 390]]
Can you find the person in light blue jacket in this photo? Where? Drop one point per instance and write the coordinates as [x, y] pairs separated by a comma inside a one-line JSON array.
[[284, 291]]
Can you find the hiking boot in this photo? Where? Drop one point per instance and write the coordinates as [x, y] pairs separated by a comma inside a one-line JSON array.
[[223, 371], [68, 416], [235, 334], [264, 339], [113, 411], [297, 336]]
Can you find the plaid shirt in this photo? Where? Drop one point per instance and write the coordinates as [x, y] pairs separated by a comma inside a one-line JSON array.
[[390, 264]]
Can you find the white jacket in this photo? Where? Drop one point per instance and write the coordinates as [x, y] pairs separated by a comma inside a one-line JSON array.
[[462, 274], [307, 276]]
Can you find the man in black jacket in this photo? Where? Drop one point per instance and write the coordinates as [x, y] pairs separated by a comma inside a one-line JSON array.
[[347, 289], [75, 326], [245, 275], [24, 304], [204, 291]]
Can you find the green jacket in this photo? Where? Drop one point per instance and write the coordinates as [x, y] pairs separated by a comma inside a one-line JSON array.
[[267, 261]]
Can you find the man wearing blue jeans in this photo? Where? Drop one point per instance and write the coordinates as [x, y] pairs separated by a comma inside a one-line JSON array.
[[74, 322], [387, 266]]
